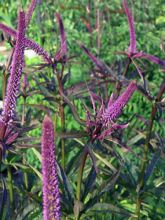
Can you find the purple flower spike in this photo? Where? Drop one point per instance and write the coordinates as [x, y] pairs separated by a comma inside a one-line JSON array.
[[132, 46], [51, 195], [16, 71], [61, 53], [30, 12], [38, 49], [113, 111], [30, 44], [103, 122], [132, 51]]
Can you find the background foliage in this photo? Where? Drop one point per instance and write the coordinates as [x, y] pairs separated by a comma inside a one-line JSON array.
[[102, 27]]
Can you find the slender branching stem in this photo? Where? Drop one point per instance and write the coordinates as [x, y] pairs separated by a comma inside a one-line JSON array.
[[127, 67], [118, 85], [62, 115], [98, 27], [141, 181], [25, 176]]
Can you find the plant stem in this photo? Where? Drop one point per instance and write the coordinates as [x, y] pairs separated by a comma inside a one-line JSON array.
[[10, 185], [141, 181], [25, 176], [127, 67], [62, 115], [98, 27], [119, 85]]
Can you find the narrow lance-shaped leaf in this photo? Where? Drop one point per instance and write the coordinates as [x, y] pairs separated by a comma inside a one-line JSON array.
[[153, 59], [100, 65], [51, 195]]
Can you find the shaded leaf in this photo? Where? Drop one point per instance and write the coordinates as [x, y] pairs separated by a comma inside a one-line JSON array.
[[89, 182], [152, 165]]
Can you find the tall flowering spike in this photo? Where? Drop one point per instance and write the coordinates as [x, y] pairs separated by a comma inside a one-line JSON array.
[[63, 48], [51, 195], [113, 111], [30, 11], [16, 71], [132, 52], [30, 44], [132, 46]]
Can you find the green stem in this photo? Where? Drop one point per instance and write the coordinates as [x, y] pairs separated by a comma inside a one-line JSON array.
[[10, 185], [25, 175], [141, 181]]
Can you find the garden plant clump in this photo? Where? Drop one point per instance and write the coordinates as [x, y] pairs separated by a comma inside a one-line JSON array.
[[81, 138]]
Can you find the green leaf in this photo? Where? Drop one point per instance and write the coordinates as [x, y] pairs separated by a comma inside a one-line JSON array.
[[37, 153], [106, 207], [38, 173]]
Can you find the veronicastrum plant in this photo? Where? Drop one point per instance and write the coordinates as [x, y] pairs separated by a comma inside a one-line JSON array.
[[104, 164]]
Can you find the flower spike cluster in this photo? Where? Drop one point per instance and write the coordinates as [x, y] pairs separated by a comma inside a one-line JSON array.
[[131, 51], [51, 195], [103, 122], [30, 44]]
